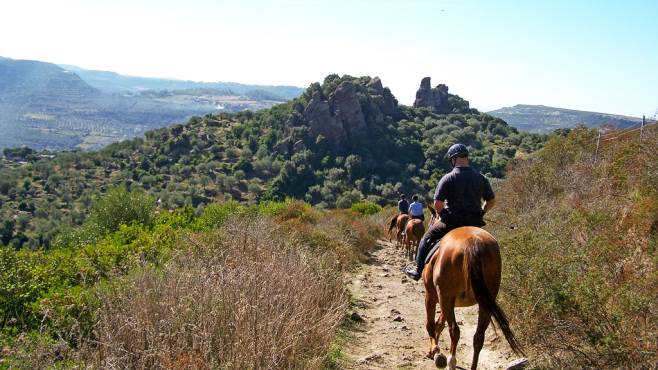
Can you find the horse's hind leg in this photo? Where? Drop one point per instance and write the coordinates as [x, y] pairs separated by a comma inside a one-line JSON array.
[[439, 359], [397, 239], [448, 311], [430, 324], [484, 318]]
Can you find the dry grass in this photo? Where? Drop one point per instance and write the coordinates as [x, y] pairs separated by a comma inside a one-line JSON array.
[[245, 297], [256, 294], [580, 273], [254, 288]]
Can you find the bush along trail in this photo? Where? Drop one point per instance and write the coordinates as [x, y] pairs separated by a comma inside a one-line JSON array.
[[390, 333]]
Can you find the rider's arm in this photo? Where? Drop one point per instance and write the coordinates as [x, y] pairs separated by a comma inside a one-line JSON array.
[[488, 204]]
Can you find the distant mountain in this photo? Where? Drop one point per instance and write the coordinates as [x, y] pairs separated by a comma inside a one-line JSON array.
[[114, 82], [45, 106], [543, 119]]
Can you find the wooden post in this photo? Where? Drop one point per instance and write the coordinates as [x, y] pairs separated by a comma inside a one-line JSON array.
[[598, 141], [642, 129]]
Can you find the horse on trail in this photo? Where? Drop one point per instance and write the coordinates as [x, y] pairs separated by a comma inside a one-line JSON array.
[[397, 223], [413, 233], [464, 271]]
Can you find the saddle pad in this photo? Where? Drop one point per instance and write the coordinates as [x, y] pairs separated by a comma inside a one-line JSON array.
[[432, 251]]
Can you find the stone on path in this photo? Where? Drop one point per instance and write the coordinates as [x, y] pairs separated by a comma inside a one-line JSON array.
[[518, 364], [356, 317]]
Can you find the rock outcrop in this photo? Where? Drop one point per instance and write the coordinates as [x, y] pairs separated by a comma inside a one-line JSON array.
[[436, 98], [347, 106], [321, 120]]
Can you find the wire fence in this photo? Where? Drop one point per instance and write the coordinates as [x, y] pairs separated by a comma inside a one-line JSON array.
[[638, 129]]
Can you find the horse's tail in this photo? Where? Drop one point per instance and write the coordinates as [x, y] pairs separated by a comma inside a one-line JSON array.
[[393, 223], [474, 264]]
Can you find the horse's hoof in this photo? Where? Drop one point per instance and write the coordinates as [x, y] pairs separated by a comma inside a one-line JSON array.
[[440, 360]]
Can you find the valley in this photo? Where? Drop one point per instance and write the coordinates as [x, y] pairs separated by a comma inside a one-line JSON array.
[[44, 106]]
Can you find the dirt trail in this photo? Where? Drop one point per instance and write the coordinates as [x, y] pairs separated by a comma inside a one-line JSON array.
[[393, 334]]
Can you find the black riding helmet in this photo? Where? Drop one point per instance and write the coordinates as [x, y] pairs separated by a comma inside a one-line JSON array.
[[457, 150]]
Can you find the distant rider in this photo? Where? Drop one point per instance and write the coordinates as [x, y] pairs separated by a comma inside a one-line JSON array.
[[416, 209], [458, 202], [403, 205]]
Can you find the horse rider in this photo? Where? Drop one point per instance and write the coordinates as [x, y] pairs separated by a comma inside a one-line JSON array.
[[458, 201], [403, 205], [416, 209]]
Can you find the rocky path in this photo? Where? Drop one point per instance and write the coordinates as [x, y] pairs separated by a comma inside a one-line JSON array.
[[392, 332]]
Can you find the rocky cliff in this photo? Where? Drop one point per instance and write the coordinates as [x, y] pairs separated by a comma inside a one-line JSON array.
[[343, 107]]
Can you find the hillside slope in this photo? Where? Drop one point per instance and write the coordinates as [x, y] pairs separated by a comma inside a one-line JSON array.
[[543, 119], [579, 230], [340, 142]]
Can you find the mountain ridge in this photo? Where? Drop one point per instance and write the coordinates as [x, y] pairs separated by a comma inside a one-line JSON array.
[[544, 119], [116, 82]]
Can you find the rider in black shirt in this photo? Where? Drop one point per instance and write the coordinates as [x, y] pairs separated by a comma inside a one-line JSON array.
[[458, 201], [403, 205]]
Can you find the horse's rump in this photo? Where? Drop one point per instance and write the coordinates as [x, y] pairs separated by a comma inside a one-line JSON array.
[[477, 254]]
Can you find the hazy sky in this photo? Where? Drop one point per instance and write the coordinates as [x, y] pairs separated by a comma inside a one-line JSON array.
[[592, 55]]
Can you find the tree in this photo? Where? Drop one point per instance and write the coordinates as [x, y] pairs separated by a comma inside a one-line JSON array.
[[348, 198], [120, 206], [6, 231]]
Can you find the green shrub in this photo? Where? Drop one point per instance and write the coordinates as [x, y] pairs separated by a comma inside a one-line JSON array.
[[215, 215], [122, 207], [289, 209], [348, 198], [366, 208]]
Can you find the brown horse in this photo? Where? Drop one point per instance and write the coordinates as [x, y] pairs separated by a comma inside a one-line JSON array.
[[413, 232], [464, 271], [397, 222]]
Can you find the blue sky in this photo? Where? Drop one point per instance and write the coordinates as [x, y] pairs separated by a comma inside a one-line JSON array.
[[590, 55]]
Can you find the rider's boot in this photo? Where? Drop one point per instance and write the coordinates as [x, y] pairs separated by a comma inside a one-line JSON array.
[[423, 249], [413, 273]]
